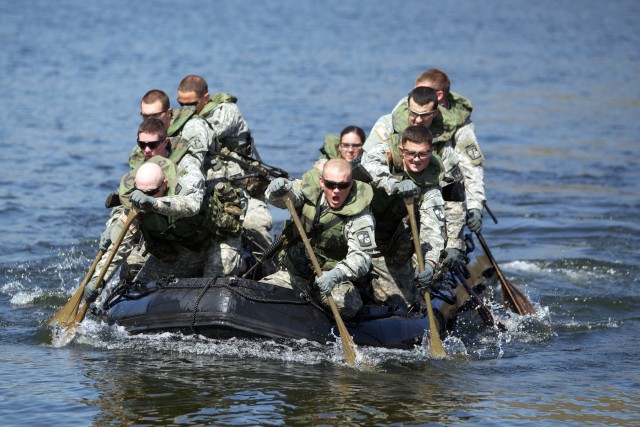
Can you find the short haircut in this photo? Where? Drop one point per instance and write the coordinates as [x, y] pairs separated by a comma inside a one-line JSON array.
[[423, 96], [418, 135], [155, 126], [338, 164], [354, 129], [193, 83], [435, 79], [155, 95]]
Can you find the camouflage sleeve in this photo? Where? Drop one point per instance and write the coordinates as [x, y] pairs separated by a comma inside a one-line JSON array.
[[432, 225], [456, 220], [115, 225], [189, 192], [361, 243], [375, 162], [199, 136], [471, 165], [295, 193], [381, 131], [227, 121]]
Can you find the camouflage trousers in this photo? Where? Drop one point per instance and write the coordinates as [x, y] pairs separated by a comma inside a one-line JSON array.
[[455, 217], [257, 223], [220, 258], [392, 283], [345, 294]]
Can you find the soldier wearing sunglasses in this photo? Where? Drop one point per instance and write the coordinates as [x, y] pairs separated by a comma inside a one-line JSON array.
[[334, 209], [405, 166]]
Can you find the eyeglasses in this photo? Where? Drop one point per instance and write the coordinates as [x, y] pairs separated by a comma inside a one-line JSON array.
[[416, 154], [424, 115], [150, 192], [333, 185], [350, 146], [153, 115], [189, 104], [151, 144]]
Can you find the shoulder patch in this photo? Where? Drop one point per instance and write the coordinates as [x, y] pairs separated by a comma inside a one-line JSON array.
[[364, 238], [439, 213], [473, 152], [382, 132]]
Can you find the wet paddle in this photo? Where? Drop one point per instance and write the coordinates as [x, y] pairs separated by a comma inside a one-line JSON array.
[[348, 346], [84, 306], [437, 350], [512, 297], [67, 313], [483, 310]]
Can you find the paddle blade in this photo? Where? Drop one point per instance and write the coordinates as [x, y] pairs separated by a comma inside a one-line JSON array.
[[348, 346], [67, 314], [515, 300], [437, 349]]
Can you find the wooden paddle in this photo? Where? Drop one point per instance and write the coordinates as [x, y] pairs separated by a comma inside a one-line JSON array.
[[483, 310], [348, 346], [68, 312], [512, 297], [437, 350]]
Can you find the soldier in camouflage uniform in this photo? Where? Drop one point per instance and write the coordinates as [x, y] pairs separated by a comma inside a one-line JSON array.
[[334, 212], [348, 145], [403, 166], [186, 201], [421, 108], [230, 135]]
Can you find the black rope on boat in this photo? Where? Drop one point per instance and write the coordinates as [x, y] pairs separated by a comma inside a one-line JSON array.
[[195, 307]]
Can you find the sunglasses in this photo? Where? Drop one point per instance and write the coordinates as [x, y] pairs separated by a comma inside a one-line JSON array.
[[189, 104], [151, 144], [153, 115], [333, 185], [424, 115], [350, 146], [150, 192]]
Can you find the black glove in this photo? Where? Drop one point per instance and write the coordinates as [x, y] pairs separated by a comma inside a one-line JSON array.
[[424, 279], [406, 188], [105, 239], [474, 220], [91, 291], [329, 280], [453, 259], [279, 187], [142, 201]]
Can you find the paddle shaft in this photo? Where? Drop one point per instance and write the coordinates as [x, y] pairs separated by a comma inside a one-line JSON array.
[[505, 285], [83, 309], [437, 348], [348, 346]]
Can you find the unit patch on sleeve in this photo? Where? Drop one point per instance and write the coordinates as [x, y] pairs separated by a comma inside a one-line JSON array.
[[439, 213], [364, 238], [473, 152]]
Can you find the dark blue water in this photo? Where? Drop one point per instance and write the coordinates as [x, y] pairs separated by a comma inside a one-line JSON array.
[[557, 101]]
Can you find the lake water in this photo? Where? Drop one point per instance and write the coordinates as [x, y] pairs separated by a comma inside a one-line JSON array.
[[556, 105]]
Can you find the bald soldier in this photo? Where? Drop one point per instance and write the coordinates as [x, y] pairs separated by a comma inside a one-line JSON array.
[[334, 210]]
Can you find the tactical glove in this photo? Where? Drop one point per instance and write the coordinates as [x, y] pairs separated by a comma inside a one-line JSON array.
[[424, 280], [474, 220], [453, 259], [406, 188], [329, 280], [279, 187], [105, 239], [142, 201], [91, 291]]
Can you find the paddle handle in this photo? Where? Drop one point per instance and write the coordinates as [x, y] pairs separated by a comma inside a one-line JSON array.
[[437, 349], [348, 346]]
